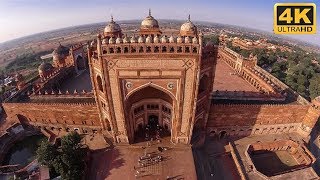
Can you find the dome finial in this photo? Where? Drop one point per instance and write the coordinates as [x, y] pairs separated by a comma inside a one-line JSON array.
[[111, 18], [149, 12], [189, 17]]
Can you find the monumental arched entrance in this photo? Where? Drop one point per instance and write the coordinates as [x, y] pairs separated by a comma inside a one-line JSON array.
[[150, 113]]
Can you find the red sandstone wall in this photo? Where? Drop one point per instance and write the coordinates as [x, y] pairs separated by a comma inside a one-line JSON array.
[[59, 114], [246, 115]]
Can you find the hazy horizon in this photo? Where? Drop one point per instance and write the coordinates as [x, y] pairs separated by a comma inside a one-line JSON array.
[[19, 18]]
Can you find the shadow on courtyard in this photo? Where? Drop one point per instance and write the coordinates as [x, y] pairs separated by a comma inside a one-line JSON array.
[[314, 146], [271, 163], [103, 161]]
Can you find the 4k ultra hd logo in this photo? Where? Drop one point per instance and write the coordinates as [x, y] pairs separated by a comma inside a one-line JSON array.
[[295, 18]]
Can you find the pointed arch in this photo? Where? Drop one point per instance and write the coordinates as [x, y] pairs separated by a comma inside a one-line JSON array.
[[151, 85]]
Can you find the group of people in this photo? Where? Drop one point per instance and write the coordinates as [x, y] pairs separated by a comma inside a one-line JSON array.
[[158, 131]]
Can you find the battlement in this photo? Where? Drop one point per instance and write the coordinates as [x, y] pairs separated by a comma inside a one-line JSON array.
[[55, 103], [261, 105], [245, 96], [60, 93], [133, 45], [76, 46], [258, 77]]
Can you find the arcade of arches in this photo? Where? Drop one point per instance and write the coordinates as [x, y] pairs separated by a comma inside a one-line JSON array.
[[149, 109]]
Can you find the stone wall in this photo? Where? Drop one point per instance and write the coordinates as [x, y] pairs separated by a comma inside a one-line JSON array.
[[58, 115], [244, 115], [243, 120]]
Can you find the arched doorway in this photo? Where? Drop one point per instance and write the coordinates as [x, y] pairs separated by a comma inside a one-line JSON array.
[[80, 63], [222, 134], [153, 122], [149, 114]]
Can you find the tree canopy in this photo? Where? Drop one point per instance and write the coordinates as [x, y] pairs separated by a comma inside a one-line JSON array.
[[298, 69], [67, 159]]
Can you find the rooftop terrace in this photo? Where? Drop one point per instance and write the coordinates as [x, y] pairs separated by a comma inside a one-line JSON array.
[[227, 80], [78, 82]]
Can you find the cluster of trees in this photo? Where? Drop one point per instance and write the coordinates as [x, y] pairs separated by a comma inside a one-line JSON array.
[[245, 53], [67, 159], [297, 69], [25, 61]]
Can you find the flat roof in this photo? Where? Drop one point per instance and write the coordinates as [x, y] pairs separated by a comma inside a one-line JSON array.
[[226, 79], [79, 82]]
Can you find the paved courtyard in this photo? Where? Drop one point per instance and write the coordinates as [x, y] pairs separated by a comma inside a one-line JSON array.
[[121, 162], [226, 79], [279, 161]]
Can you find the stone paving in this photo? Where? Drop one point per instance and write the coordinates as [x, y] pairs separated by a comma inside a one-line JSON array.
[[215, 158], [121, 162], [79, 82], [226, 79], [242, 144]]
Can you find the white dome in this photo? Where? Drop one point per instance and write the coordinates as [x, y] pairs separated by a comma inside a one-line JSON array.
[[149, 39], [126, 39], [179, 39], [187, 39], [112, 27], [188, 28], [105, 41], [118, 40], [164, 39], [156, 39], [149, 22], [111, 40], [133, 39], [141, 39], [195, 40], [171, 39]]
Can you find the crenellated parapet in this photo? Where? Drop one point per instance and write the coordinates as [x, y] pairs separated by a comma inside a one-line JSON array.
[[74, 93], [311, 117], [248, 69], [157, 44], [247, 96]]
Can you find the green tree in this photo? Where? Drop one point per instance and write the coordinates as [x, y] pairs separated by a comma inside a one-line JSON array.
[[67, 160], [314, 87], [47, 153], [291, 81]]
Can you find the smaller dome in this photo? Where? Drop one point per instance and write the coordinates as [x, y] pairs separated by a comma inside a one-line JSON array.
[[188, 29], [112, 29], [149, 39], [118, 40], [126, 39], [187, 39], [164, 39], [45, 67], [156, 39], [149, 22], [179, 39], [60, 52], [141, 39], [171, 39], [195, 40], [133, 39], [112, 40], [105, 41]]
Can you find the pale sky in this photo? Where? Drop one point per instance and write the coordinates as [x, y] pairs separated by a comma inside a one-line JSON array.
[[24, 17]]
